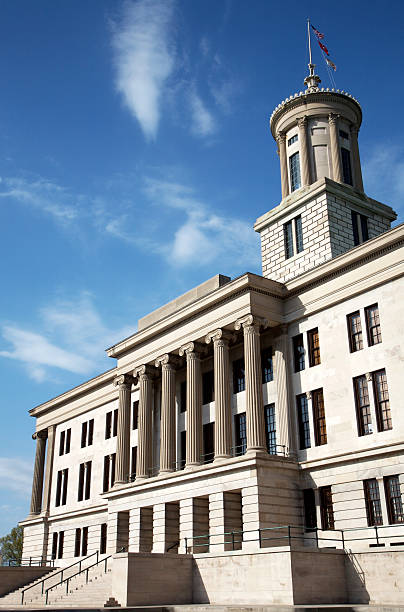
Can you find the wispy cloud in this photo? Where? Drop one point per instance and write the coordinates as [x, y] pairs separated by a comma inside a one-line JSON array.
[[203, 123], [144, 58], [15, 475]]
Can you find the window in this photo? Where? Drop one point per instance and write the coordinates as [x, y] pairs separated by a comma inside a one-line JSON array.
[[133, 463], [382, 402], [344, 134], [267, 365], [374, 332], [293, 237], [103, 539], [294, 168], [320, 429], [208, 387], [346, 166], [84, 481], [57, 545], [309, 503], [359, 228], [109, 472], [292, 140], [362, 403], [298, 352], [183, 449], [64, 442], [303, 421], [208, 437], [393, 499], [355, 332], [111, 423], [326, 509], [61, 487], [314, 347], [270, 428], [372, 501], [241, 433], [298, 234], [183, 396], [81, 542], [135, 415], [288, 239], [87, 433], [238, 376]]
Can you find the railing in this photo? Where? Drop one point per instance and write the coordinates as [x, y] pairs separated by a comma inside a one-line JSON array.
[[31, 562], [290, 533]]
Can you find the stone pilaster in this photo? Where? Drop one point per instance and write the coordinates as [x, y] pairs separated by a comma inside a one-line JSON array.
[[253, 381], [145, 376], [39, 466], [285, 427], [281, 140], [167, 431], [49, 469], [194, 404], [335, 152], [124, 384], [304, 150], [358, 181], [222, 393]]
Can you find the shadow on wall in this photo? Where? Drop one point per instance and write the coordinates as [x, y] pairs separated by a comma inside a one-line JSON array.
[[355, 579], [199, 593]]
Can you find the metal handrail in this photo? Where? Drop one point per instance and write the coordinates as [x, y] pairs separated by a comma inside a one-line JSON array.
[[53, 575], [31, 562]]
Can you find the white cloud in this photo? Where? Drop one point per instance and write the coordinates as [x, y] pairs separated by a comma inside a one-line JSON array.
[[203, 122], [15, 475], [144, 58]]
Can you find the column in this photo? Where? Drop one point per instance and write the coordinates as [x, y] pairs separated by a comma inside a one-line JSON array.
[[217, 522], [222, 394], [39, 465], [167, 431], [285, 423], [335, 153], [358, 182], [49, 468], [253, 381], [281, 140], [124, 384], [159, 528], [194, 404], [304, 150], [186, 524], [145, 421]]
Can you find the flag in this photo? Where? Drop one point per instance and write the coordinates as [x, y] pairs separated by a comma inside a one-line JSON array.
[[331, 64], [323, 47], [317, 33]]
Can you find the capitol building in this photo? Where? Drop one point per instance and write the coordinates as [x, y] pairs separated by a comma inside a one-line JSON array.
[[247, 447]]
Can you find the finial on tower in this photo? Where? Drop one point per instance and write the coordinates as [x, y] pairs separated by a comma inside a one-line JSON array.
[[312, 80]]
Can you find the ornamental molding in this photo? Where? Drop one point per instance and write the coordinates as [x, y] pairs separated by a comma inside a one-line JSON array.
[[167, 360], [191, 349], [250, 321], [219, 334], [124, 380], [145, 372]]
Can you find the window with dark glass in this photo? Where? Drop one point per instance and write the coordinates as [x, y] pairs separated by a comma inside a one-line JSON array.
[[320, 428], [373, 329], [61, 487], [208, 387], [238, 376], [372, 502], [183, 396], [64, 442], [208, 437], [109, 472], [382, 401], [111, 423], [77, 542], [183, 448], [303, 421], [57, 544], [81, 542], [84, 481], [135, 414], [267, 365], [298, 353], [288, 239], [314, 347], [298, 234], [362, 404], [355, 332], [344, 134], [310, 515], [292, 140], [103, 539], [240, 427], [133, 463], [87, 433], [346, 166], [359, 227], [326, 508], [294, 169], [393, 499], [270, 428]]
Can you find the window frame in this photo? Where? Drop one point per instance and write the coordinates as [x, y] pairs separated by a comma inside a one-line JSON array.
[[299, 358], [373, 504], [319, 417], [373, 330], [362, 407], [267, 365], [240, 430], [295, 175], [303, 423], [313, 342], [394, 502], [326, 508], [238, 366], [355, 334], [382, 401]]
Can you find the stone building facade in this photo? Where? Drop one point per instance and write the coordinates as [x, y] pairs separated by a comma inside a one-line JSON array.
[[266, 408]]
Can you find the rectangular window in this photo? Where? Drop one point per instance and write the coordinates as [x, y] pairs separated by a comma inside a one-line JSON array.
[[133, 463], [90, 432], [393, 499], [241, 433], [359, 228], [54, 545], [294, 168], [374, 332], [183, 449], [87, 489], [372, 501], [109, 472], [314, 347], [270, 428], [288, 239], [346, 166], [267, 365], [310, 515], [84, 542], [108, 423], [103, 539], [61, 487], [135, 415], [382, 402], [292, 140], [326, 508], [57, 544], [362, 403], [183, 396], [84, 434], [320, 429], [77, 542], [208, 437], [355, 332], [64, 442], [238, 376], [87, 433], [298, 352], [298, 234], [61, 541], [303, 421], [81, 482], [111, 423], [208, 387], [115, 423]]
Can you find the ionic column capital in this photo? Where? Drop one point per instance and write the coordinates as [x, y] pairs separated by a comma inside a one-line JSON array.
[[43, 434], [167, 361], [250, 323], [192, 350], [333, 118], [145, 372], [124, 380], [301, 122], [281, 138], [219, 335]]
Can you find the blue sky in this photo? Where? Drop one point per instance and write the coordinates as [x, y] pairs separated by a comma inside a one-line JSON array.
[[135, 155]]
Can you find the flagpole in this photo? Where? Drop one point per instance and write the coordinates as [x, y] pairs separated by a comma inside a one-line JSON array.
[[308, 36]]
